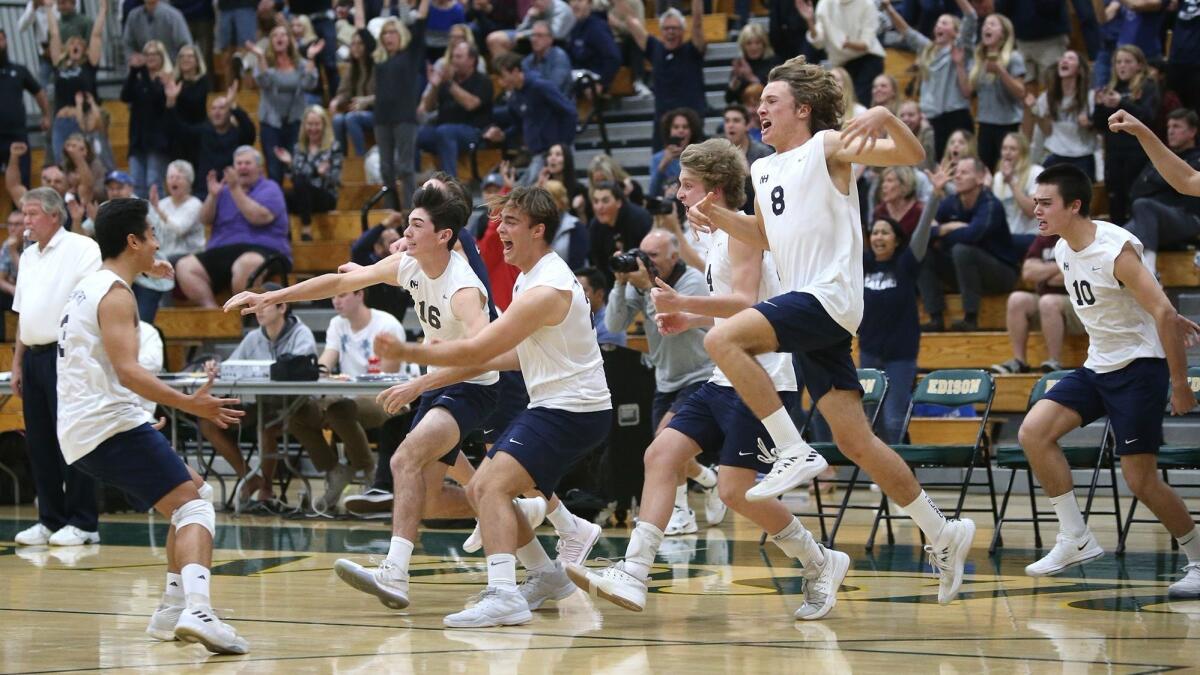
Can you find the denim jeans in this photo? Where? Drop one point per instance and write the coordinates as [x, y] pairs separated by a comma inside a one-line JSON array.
[[354, 124], [397, 148], [148, 169], [63, 127], [446, 141], [901, 374], [273, 137], [325, 29]]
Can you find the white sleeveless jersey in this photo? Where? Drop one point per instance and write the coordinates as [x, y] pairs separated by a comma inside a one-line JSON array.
[[431, 299], [93, 405], [1118, 329], [814, 231], [719, 273], [561, 364]]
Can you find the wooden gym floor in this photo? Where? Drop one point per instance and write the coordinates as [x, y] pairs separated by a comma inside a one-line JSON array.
[[719, 603]]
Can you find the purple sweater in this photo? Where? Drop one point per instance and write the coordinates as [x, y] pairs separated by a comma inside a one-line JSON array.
[[231, 227]]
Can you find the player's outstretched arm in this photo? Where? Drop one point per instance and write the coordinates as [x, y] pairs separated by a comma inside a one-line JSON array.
[[319, 288], [875, 138], [540, 306], [1177, 173], [709, 215], [1129, 270], [117, 316]]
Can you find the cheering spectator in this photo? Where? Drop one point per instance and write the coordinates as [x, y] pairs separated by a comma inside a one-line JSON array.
[[52, 175], [961, 144], [943, 62], [1048, 307], [885, 92], [176, 219], [848, 32], [554, 12], [605, 169], [997, 78], [679, 128], [324, 49], [143, 91], [592, 281], [1013, 184], [15, 80], [972, 246], [1064, 114], [539, 114], [192, 101], [353, 105], [737, 130], [249, 223], [227, 128], [315, 167], [787, 30], [463, 100], [549, 62], [618, 226], [1043, 31], [559, 164], [374, 245], [155, 20], [76, 63], [753, 64], [571, 238], [910, 113], [591, 44], [399, 59], [443, 16], [282, 77], [237, 24], [677, 66], [898, 201], [1131, 89], [85, 172], [1141, 26]]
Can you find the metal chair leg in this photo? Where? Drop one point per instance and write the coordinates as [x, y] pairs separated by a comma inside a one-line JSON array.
[[1035, 515], [1012, 478]]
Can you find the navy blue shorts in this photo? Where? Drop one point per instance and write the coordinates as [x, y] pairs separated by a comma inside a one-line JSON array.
[[717, 419], [1134, 398], [469, 404], [140, 462], [547, 442], [820, 344], [511, 401], [670, 402]]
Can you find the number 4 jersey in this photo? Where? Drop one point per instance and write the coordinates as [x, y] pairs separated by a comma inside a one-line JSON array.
[[431, 298], [1118, 329]]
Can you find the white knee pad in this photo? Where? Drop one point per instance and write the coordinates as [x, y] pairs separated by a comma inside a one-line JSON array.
[[195, 512], [206, 492]]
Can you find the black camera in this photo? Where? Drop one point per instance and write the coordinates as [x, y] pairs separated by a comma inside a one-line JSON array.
[[628, 262], [661, 206]]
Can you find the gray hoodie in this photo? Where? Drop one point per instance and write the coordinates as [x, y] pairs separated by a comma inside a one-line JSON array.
[[294, 339]]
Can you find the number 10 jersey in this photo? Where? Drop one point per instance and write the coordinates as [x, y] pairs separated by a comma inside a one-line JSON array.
[[431, 300], [1119, 330]]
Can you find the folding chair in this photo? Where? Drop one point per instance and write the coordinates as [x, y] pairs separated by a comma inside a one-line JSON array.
[[875, 386], [952, 389], [1093, 457], [1170, 458]]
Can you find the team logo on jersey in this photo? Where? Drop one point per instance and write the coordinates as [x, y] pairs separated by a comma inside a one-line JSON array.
[[764, 178], [412, 283]]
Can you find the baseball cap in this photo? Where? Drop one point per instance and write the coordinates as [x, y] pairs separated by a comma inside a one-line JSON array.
[[494, 180], [118, 177]]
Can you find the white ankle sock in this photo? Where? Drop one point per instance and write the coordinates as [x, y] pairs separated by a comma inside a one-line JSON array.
[[1190, 543], [502, 571], [399, 552], [562, 519], [195, 585], [643, 546], [533, 557], [681, 501], [797, 542], [707, 478], [781, 427], [1070, 520], [173, 591], [927, 516]]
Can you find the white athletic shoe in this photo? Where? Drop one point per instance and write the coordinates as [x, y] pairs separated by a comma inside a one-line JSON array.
[[387, 582], [373, 503], [36, 535], [821, 584], [200, 624], [535, 512], [70, 535], [1068, 551], [496, 607], [612, 583], [336, 480], [683, 521], [575, 547], [1189, 586], [793, 466], [948, 556], [163, 622], [539, 587], [714, 508]]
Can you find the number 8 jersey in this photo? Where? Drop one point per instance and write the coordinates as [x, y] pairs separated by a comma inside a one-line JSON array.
[[431, 300], [1118, 329], [815, 231]]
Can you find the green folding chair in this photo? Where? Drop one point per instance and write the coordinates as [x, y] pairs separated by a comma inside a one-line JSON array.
[[1093, 457]]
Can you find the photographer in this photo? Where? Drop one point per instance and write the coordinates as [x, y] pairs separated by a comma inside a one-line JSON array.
[[680, 363]]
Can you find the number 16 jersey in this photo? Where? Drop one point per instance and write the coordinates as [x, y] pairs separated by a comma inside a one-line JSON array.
[[431, 299], [1119, 330]]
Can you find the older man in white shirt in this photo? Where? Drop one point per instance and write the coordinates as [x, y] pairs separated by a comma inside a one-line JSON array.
[[50, 270]]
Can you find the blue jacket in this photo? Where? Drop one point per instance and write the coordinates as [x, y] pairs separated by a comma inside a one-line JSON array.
[[555, 68], [987, 226], [547, 117], [591, 45]]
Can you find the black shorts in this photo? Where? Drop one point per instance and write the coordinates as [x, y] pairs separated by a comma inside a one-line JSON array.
[[547, 442], [511, 400], [140, 462], [1134, 398], [717, 419], [468, 403], [820, 344], [218, 262], [670, 402]]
